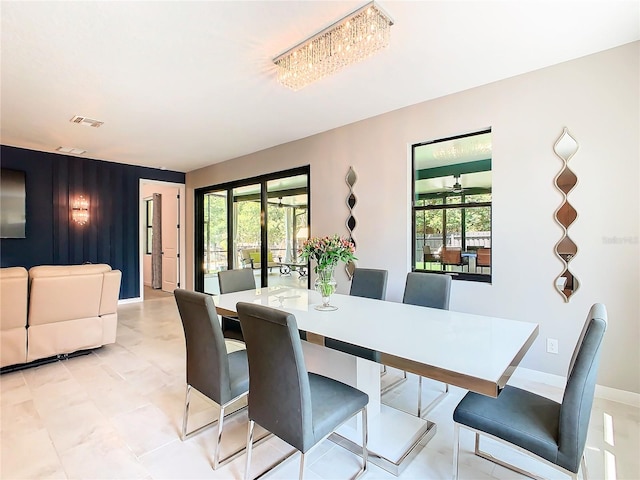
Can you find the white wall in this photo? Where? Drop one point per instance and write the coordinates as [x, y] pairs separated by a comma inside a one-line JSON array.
[[597, 98]]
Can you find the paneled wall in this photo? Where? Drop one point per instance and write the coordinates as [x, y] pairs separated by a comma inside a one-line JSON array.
[[52, 238]]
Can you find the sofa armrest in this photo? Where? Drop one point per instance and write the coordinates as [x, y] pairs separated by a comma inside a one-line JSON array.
[[14, 285], [110, 292]]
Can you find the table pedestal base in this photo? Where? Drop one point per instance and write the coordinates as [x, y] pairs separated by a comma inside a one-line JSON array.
[[395, 437]]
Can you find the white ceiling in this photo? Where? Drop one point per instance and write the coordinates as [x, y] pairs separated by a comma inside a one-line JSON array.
[[182, 85]]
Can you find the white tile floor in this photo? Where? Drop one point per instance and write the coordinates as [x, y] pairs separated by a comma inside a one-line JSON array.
[[117, 413]]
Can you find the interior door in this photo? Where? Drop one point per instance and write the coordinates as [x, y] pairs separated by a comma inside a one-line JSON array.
[[170, 221]]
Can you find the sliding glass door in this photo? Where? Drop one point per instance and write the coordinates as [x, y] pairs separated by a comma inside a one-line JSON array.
[[246, 227], [258, 224], [287, 228], [214, 236]]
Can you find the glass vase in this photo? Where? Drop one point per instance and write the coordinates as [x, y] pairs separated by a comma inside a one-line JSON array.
[[325, 285]]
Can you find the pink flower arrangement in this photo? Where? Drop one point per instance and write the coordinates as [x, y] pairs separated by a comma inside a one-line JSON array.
[[327, 251]]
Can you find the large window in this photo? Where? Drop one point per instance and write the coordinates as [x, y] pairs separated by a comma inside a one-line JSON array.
[[452, 206], [257, 223]]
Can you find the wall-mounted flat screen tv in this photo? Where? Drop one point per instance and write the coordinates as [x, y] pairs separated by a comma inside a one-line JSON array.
[[13, 212]]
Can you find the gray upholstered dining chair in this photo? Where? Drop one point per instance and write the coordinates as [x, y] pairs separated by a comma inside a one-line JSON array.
[[231, 281], [300, 408], [223, 377], [427, 290], [555, 433], [368, 283]]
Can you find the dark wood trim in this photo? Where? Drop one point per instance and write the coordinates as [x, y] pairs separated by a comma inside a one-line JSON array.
[[453, 205], [518, 358], [485, 387], [455, 169]]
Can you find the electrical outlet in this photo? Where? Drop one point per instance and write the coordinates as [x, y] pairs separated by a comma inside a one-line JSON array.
[[552, 345]]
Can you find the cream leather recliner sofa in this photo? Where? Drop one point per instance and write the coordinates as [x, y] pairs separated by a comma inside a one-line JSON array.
[[14, 292], [70, 308]]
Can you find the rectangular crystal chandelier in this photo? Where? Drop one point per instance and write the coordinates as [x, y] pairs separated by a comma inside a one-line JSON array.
[[350, 40]]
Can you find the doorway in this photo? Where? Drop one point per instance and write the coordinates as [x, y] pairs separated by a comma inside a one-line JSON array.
[[164, 271]]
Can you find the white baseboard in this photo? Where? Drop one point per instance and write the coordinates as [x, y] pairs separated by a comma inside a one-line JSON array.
[[129, 300], [607, 393], [620, 396]]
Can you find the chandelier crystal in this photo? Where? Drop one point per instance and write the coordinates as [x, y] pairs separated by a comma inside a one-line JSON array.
[[350, 40]]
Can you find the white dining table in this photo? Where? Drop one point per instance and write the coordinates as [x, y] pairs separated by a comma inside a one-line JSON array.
[[475, 352]]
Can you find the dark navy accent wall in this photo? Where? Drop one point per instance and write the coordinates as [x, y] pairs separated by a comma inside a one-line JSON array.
[[112, 234]]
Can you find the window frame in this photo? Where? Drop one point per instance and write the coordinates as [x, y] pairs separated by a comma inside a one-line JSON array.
[[443, 206]]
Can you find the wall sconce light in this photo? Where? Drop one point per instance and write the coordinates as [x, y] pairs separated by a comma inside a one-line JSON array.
[[80, 210]]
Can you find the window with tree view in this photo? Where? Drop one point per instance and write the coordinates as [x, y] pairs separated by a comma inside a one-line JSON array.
[[452, 206]]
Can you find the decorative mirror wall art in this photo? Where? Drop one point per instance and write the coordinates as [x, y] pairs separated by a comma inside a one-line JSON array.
[[565, 148], [351, 221]]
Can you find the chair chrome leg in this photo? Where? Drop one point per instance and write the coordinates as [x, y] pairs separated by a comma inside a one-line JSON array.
[[217, 461], [365, 440], [185, 415], [491, 458], [393, 385], [301, 474], [456, 450], [419, 396], [216, 453], [436, 401], [487, 456], [249, 445]]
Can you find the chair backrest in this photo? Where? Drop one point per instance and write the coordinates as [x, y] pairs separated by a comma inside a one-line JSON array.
[[428, 255], [207, 361], [236, 280], [280, 395], [484, 257], [451, 255], [369, 283], [427, 290], [578, 395]]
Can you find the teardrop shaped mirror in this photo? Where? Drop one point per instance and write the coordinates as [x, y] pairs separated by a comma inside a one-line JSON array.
[[566, 284], [565, 147]]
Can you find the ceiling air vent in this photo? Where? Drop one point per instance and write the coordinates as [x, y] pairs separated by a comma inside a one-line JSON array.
[[74, 151], [87, 122]]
